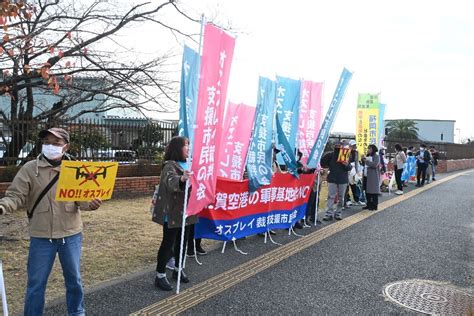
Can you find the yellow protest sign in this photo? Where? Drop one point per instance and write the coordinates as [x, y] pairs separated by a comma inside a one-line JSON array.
[[344, 155], [85, 180]]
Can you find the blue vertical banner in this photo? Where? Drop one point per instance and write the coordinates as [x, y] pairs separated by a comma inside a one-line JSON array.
[[321, 140], [287, 105], [259, 159], [381, 124], [286, 151], [188, 93]]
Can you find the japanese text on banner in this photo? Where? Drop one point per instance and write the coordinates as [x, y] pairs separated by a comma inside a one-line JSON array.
[[218, 50]]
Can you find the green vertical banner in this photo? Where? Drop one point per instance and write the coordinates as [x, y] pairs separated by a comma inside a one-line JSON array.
[[367, 121]]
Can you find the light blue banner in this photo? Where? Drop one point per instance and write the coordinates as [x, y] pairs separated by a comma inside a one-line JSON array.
[[259, 159], [288, 109], [381, 124], [188, 93], [318, 148], [286, 151]]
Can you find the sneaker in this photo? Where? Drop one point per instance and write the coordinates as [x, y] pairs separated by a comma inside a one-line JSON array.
[[361, 203], [298, 225], [338, 217], [327, 218], [170, 265], [190, 254], [200, 251], [433, 179], [349, 203], [163, 284], [399, 192]]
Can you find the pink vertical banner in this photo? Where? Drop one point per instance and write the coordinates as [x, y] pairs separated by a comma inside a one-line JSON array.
[[310, 116], [216, 60], [235, 140]]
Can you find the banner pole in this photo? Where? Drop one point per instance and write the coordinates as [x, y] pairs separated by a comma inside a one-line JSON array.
[[3, 292], [317, 200], [185, 205]]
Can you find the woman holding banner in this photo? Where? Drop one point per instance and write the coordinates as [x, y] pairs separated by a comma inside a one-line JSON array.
[[169, 209], [372, 188]]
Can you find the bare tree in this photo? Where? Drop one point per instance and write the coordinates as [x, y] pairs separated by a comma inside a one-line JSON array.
[[74, 51]]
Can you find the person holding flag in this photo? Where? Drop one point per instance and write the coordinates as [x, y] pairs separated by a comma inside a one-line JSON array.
[[169, 209]]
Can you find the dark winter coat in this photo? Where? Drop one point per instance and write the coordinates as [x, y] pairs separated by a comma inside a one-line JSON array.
[[170, 200], [338, 172]]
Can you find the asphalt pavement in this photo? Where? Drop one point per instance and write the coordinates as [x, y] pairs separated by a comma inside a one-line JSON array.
[[427, 236]]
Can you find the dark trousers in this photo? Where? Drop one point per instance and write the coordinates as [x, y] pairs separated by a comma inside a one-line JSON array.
[[191, 239], [398, 178], [355, 192], [171, 237], [311, 206], [421, 173], [372, 201]]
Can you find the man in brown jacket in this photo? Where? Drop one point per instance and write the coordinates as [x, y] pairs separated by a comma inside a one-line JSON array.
[[54, 227]]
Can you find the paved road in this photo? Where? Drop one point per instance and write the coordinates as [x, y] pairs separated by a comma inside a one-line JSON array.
[[428, 236]]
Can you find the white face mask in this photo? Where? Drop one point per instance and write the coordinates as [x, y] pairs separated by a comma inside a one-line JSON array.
[[52, 152], [422, 148]]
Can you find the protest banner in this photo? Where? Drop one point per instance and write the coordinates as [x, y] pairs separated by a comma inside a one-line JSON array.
[[287, 105], [309, 117], [344, 155], [235, 143], [323, 135], [216, 61], [238, 213], [367, 121], [381, 127], [259, 160], [86, 180], [188, 93]]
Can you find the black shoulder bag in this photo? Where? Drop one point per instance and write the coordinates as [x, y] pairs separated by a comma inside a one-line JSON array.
[[42, 194]]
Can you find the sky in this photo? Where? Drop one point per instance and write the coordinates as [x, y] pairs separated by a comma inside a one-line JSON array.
[[419, 55]]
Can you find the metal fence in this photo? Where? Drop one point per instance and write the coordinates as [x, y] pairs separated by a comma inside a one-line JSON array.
[[116, 139]]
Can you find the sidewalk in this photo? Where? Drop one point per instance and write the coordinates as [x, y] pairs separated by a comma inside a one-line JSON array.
[[133, 292]]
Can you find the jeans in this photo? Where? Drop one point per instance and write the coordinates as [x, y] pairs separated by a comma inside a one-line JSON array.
[[333, 190], [433, 169], [42, 254]]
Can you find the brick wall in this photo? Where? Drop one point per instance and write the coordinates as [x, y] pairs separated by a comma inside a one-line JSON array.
[[449, 165], [137, 170], [135, 186], [461, 164]]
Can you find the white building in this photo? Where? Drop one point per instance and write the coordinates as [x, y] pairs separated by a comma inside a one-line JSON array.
[[434, 130]]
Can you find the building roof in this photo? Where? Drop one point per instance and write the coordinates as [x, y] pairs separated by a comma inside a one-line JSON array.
[[424, 120]]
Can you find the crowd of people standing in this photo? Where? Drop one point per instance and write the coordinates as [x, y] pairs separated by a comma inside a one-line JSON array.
[[56, 227]]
